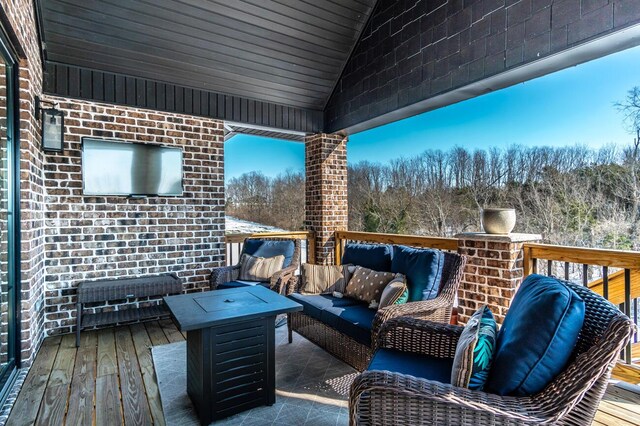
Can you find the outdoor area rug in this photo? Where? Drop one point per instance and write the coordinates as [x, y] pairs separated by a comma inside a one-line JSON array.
[[312, 387]]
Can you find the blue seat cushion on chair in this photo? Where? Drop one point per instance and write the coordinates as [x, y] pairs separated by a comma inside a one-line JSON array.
[[354, 321], [426, 367], [314, 304], [537, 337], [239, 284], [370, 256], [423, 269], [270, 248]]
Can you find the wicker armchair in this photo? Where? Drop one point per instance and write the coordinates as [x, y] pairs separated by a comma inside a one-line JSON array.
[[384, 397], [358, 355], [279, 281]]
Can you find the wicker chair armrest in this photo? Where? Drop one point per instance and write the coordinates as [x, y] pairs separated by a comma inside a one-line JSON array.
[[418, 336], [436, 310], [415, 400], [223, 274], [280, 279], [293, 285]]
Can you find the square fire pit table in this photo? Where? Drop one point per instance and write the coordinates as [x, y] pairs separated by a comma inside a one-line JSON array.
[[230, 347]]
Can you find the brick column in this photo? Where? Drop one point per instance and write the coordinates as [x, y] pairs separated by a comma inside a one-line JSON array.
[[493, 273], [326, 191]]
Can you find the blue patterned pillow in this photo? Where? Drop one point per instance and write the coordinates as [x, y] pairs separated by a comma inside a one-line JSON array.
[[474, 351]]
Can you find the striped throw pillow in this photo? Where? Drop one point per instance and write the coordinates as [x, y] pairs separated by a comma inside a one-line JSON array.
[[254, 268], [475, 350]]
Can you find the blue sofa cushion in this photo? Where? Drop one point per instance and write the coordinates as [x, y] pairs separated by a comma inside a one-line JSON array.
[[270, 248], [238, 284], [537, 337], [354, 321], [423, 269], [313, 304], [370, 256], [426, 367]]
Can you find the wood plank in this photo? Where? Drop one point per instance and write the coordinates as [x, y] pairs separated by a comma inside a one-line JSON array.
[[107, 363], [604, 257], [171, 331], [410, 240], [82, 392], [143, 345], [610, 420], [25, 410], [108, 406], [134, 400], [623, 415], [626, 373], [155, 333], [54, 405], [239, 238], [616, 287], [62, 371]]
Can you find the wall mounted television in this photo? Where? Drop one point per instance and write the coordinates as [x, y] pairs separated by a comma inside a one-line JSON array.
[[112, 167]]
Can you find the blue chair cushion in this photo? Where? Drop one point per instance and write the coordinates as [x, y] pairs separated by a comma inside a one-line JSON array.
[[354, 321], [313, 304], [238, 284], [423, 269], [370, 256], [426, 367], [270, 248], [537, 337]]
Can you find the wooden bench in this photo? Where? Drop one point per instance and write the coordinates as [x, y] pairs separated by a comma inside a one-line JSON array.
[[123, 288]]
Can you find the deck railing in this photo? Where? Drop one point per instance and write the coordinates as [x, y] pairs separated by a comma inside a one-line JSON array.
[[342, 237], [614, 274], [235, 242]]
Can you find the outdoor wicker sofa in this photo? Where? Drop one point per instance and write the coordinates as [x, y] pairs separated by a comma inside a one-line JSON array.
[[345, 328], [227, 276], [382, 397]]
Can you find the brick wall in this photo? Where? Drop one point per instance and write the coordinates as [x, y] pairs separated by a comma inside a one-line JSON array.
[[326, 191], [105, 237], [493, 273], [412, 50], [20, 17]]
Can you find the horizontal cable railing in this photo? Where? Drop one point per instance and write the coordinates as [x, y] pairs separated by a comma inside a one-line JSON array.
[[614, 274], [342, 237], [235, 242]]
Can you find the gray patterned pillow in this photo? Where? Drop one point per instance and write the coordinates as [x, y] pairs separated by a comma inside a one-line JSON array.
[[367, 285]]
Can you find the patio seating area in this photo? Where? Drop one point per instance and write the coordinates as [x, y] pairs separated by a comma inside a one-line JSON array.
[[111, 380], [113, 122]]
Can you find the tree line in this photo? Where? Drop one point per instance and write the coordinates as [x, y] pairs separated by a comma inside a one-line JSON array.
[[571, 195]]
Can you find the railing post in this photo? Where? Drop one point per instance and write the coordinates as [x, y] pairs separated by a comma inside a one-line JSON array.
[[494, 270], [338, 248]]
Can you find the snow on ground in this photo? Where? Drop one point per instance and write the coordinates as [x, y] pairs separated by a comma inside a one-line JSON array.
[[234, 225]]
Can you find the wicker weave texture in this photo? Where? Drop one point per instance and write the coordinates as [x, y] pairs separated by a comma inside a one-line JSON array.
[[279, 281], [386, 398], [123, 288], [358, 355]]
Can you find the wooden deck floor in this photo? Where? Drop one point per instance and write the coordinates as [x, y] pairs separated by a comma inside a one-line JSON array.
[[110, 380]]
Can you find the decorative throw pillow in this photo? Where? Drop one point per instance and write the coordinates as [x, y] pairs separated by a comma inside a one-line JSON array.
[[254, 268], [323, 279], [395, 293], [475, 351], [367, 285]]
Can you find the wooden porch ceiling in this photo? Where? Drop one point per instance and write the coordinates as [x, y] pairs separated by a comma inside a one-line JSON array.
[[289, 52]]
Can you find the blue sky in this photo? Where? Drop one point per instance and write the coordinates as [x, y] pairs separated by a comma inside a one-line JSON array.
[[573, 106]]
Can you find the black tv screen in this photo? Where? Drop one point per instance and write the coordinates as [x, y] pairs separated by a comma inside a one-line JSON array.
[[132, 169]]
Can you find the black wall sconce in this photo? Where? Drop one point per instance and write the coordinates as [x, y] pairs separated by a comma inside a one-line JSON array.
[[52, 126]]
